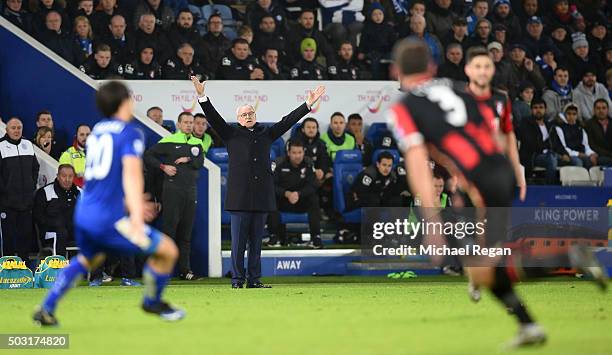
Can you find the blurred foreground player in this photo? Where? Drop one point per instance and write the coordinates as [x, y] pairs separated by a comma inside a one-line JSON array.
[[441, 117], [114, 182]]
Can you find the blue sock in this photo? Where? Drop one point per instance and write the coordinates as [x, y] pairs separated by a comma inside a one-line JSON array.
[[154, 285], [65, 280]]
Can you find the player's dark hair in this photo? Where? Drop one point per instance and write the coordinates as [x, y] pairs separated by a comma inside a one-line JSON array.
[[239, 41], [336, 114], [384, 155], [40, 113], [310, 119], [294, 142], [474, 52], [184, 113], [538, 101], [354, 116], [65, 166], [110, 96], [412, 56]]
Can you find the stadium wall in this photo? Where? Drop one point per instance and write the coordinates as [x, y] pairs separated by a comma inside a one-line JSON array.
[[32, 78]]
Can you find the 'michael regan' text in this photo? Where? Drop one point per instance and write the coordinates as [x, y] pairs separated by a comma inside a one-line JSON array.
[[432, 250]]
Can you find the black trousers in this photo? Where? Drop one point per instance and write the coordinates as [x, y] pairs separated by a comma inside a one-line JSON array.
[[247, 229], [16, 232], [309, 204], [55, 244], [178, 214]]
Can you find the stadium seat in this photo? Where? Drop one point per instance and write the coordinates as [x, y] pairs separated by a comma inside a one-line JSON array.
[[597, 175], [375, 131], [199, 21], [170, 125], [295, 129], [346, 167], [395, 153], [278, 147], [220, 157], [287, 217], [575, 176]]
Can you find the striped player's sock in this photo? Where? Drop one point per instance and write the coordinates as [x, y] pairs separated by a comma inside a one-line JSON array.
[[154, 285], [65, 280]]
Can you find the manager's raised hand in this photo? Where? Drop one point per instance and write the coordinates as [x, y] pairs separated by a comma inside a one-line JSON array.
[[199, 86], [313, 96]]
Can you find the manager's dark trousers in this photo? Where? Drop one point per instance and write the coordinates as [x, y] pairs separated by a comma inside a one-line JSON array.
[[178, 213], [16, 232], [247, 227]]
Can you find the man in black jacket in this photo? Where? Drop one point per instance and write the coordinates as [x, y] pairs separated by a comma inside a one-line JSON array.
[[238, 64], [148, 33], [536, 143], [268, 36], [250, 185], [184, 65], [272, 69], [215, 43], [17, 15], [18, 176], [180, 157], [376, 186], [315, 149], [54, 208], [296, 192], [344, 68], [306, 29], [58, 40], [101, 65]]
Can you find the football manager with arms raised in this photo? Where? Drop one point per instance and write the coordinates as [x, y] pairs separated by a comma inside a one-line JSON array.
[[250, 185]]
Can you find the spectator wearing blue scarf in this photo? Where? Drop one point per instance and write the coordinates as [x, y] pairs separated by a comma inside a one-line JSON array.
[[560, 92], [83, 36]]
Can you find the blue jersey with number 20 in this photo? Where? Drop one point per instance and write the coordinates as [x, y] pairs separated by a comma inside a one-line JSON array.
[[102, 201]]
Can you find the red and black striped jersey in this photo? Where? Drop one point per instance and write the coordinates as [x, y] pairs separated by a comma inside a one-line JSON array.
[[444, 115], [496, 107]]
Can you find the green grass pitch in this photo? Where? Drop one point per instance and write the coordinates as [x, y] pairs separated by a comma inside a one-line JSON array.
[[319, 315]]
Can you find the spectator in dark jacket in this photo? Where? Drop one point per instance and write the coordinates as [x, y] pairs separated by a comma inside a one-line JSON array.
[[306, 29], [315, 149], [18, 177], [269, 36], [504, 76], [40, 9], [122, 43], [44, 140], [521, 106], [599, 132], [184, 65], [148, 33], [377, 39], [307, 67], [482, 34], [145, 67], [272, 69], [238, 64], [536, 142], [582, 58], [102, 17], [262, 8], [535, 39], [60, 41], [440, 17], [453, 66], [344, 67], [164, 16], [183, 31], [17, 15], [376, 186], [573, 146], [101, 65], [524, 69], [503, 14], [458, 34], [295, 188], [53, 210], [215, 43]]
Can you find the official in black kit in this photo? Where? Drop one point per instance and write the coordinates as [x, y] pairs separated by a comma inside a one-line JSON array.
[[250, 186], [295, 185], [376, 186]]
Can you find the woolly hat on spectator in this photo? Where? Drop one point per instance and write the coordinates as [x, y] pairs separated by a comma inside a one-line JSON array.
[[579, 40], [495, 45], [534, 19], [500, 2], [376, 6], [308, 43]]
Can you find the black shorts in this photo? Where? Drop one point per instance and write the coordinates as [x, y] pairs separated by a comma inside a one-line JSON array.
[[494, 178]]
